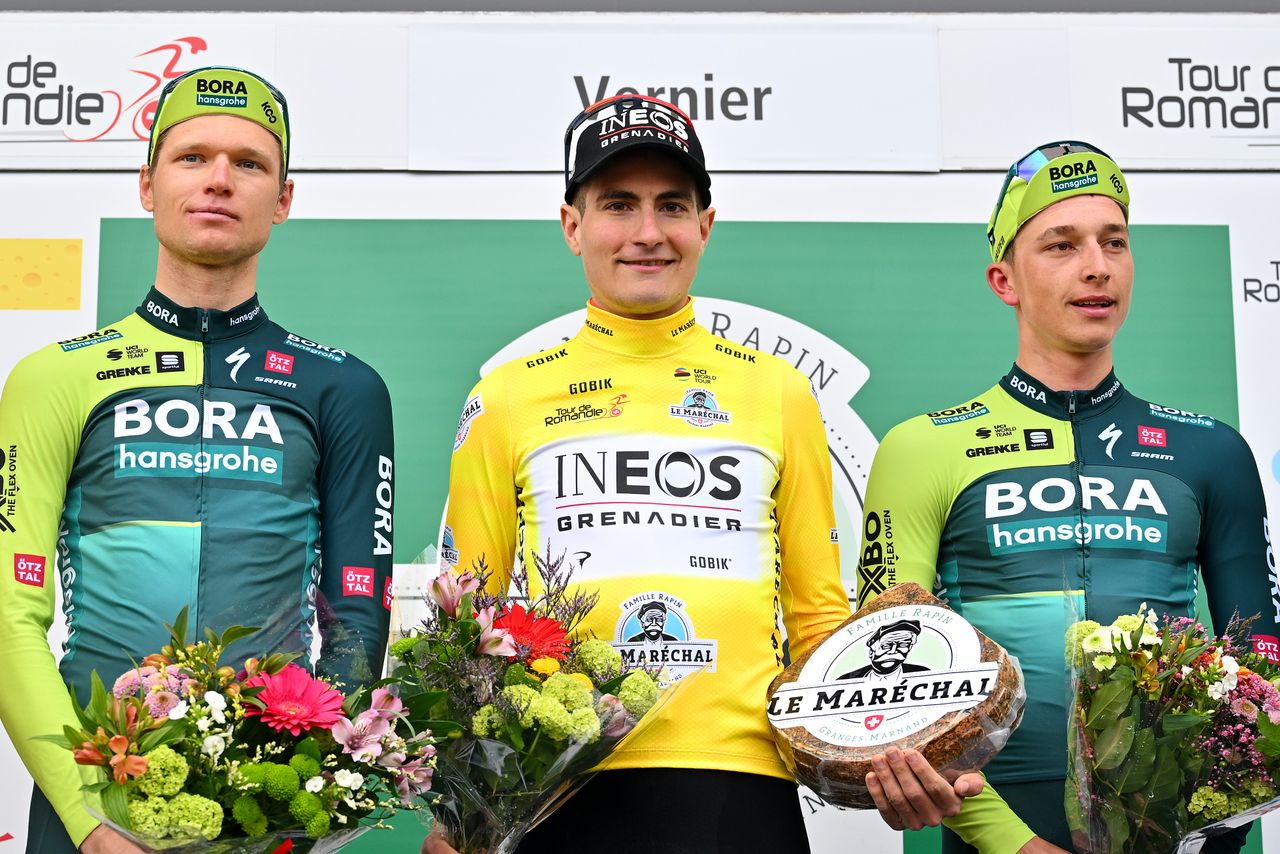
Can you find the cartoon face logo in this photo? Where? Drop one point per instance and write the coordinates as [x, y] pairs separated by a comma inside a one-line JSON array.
[[888, 648], [655, 630], [698, 407], [652, 617]]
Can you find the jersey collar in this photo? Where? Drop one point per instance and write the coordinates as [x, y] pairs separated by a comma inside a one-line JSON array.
[[207, 324], [645, 338], [1023, 387]]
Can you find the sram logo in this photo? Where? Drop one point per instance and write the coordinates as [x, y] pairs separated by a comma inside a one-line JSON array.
[[1054, 494], [181, 418]]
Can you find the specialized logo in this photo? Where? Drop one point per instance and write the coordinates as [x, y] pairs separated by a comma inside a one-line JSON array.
[[89, 340], [656, 630], [960, 413], [1109, 435], [473, 408], [698, 407], [8, 489], [333, 354], [1073, 176], [1037, 439], [237, 360], [1181, 416], [448, 549], [278, 362], [180, 419], [383, 494], [1120, 529], [1153, 437], [886, 676], [29, 569], [357, 581], [170, 362]]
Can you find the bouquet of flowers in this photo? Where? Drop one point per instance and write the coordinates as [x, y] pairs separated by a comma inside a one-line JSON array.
[[530, 706], [1173, 729], [200, 756]]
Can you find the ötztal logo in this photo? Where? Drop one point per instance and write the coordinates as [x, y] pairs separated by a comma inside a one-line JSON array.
[[29, 569], [279, 362], [1152, 436], [357, 581], [38, 96]]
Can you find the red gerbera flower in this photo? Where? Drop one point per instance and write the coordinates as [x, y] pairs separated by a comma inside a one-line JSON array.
[[294, 701], [535, 637]]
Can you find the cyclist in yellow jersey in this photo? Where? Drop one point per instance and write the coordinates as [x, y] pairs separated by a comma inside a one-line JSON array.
[[688, 481]]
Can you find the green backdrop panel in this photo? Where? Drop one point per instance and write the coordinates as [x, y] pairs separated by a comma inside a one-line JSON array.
[[426, 302]]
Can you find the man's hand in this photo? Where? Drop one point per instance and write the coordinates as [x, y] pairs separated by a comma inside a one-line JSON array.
[[910, 794], [435, 844], [1036, 845], [104, 840]]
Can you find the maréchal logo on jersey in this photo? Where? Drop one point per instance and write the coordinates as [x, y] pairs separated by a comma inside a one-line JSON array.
[[472, 409], [698, 407], [656, 630]]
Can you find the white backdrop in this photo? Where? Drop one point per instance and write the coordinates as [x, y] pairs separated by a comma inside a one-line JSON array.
[[409, 99]]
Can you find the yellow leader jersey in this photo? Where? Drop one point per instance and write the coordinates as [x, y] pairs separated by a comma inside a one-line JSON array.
[[687, 480]]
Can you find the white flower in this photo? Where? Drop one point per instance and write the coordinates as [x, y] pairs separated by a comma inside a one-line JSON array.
[[348, 779], [1186, 671], [315, 784], [1218, 690], [214, 700], [342, 819], [203, 724], [1230, 665], [179, 711], [218, 715], [214, 745]]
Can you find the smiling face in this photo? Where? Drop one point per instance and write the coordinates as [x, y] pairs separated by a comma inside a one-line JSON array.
[[215, 190], [639, 232], [1070, 279]]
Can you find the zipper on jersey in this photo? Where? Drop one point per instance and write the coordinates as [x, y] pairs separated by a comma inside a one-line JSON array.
[[202, 497], [1077, 467]]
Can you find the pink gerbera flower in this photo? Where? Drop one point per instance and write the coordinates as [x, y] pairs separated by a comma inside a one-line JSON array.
[[295, 701]]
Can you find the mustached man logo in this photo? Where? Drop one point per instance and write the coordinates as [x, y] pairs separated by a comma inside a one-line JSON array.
[[886, 676], [473, 409], [656, 630], [698, 407], [39, 97], [448, 549]]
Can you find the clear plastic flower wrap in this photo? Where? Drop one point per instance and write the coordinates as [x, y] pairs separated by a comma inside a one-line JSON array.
[[1174, 735], [904, 671], [528, 708], [275, 842]]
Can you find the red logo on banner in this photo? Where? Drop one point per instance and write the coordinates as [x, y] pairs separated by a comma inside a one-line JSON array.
[[1267, 645], [279, 362], [1152, 436], [386, 595], [29, 569], [357, 581], [6, 837], [873, 721]]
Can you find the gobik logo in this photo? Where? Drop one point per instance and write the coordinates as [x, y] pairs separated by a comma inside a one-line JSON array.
[[886, 676]]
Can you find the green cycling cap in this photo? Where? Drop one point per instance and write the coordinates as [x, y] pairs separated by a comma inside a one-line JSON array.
[[221, 91], [1047, 175]]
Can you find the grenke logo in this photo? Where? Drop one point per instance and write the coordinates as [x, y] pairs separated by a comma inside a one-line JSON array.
[[700, 102], [1207, 97], [37, 96]]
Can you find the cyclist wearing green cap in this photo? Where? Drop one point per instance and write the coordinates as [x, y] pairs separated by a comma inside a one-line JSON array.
[[1057, 495], [191, 454]]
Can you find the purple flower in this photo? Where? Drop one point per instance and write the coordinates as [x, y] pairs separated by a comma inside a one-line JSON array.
[[127, 685], [414, 779], [362, 738], [160, 703], [386, 704], [448, 589]]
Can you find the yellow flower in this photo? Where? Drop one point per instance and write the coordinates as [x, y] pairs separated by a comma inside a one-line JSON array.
[[544, 667], [584, 679]]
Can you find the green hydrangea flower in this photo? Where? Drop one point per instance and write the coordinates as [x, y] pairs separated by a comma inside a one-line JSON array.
[[1076, 633], [570, 693], [1127, 623], [281, 782], [248, 814], [517, 675], [306, 766], [403, 648], [599, 658], [166, 772], [488, 721], [195, 813], [318, 825], [548, 713], [1261, 792], [150, 817], [521, 697], [584, 725], [304, 805], [253, 775], [1212, 805], [638, 693]]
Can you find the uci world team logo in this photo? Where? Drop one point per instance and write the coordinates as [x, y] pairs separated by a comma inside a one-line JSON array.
[[655, 630], [885, 676], [698, 407]]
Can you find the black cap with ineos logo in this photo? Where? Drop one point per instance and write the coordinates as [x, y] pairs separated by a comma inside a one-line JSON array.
[[623, 123]]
